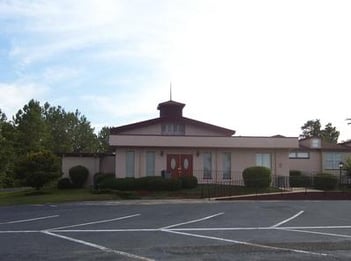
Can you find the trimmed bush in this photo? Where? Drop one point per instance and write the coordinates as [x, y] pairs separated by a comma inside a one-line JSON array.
[[257, 177], [157, 183], [78, 175], [298, 180], [188, 182], [325, 181], [99, 177], [64, 183], [122, 184], [295, 173]]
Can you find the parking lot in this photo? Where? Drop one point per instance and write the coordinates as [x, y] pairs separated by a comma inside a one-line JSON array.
[[177, 230]]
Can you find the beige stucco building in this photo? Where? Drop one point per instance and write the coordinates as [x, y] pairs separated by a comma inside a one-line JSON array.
[[178, 145], [315, 156], [173, 145], [94, 162]]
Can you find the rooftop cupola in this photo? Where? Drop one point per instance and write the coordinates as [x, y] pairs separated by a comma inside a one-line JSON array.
[[171, 109]]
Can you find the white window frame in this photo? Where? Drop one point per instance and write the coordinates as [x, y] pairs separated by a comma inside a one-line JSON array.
[[150, 157], [130, 164], [332, 160], [173, 129], [316, 143], [227, 165], [299, 155], [207, 165], [264, 160]]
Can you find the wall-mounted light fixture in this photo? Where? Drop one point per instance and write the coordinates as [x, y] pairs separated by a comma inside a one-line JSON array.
[[161, 153]]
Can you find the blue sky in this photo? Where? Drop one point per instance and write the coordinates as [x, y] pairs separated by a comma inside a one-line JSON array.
[[258, 67]]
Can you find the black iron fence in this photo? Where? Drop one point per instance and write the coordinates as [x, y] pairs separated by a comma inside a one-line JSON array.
[[219, 185]]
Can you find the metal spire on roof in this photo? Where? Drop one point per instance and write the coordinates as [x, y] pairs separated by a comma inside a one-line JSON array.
[[170, 90]]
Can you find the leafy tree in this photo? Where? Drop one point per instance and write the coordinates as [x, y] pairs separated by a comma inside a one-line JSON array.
[[6, 152], [3, 144], [83, 136], [52, 128], [330, 134], [69, 131], [32, 133], [58, 127], [39, 168], [103, 139], [45, 128], [313, 128]]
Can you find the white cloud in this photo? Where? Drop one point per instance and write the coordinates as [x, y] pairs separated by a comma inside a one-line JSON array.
[[259, 67], [15, 95]]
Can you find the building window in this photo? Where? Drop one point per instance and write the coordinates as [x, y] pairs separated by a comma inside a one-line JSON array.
[[150, 163], [173, 129], [130, 164], [332, 160], [264, 160], [316, 143], [227, 165], [299, 155], [207, 161]]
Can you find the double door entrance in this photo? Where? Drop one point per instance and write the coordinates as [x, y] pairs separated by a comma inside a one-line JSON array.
[[180, 164]]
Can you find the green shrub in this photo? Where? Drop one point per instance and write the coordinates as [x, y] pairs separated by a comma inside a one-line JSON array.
[[117, 184], [6, 180], [64, 183], [154, 183], [297, 179], [38, 168], [157, 183], [257, 177], [98, 177], [325, 181], [300, 181], [188, 182], [347, 166], [295, 173], [172, 184], [78, 175]]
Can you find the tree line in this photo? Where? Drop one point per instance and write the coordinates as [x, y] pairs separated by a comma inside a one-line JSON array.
[[313, 128], [37, 127]]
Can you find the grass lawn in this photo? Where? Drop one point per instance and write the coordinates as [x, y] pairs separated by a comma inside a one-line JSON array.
[[50, 195], [53, 195]]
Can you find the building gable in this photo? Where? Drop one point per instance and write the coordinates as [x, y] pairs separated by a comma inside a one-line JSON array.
[[172, 123]]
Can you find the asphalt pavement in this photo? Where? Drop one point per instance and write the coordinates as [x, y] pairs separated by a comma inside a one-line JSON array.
[[177, 230]]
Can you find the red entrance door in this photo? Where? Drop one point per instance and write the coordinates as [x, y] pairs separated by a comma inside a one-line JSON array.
[[180, 164]]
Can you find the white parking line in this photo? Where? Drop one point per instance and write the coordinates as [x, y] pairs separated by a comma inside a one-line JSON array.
[[105, 230], [102, 248], [317, 233], [317, 227], [180, 231], [95, 222], [29, 220], [245, 243], [18, 231], [193, 221], [288, 219]]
